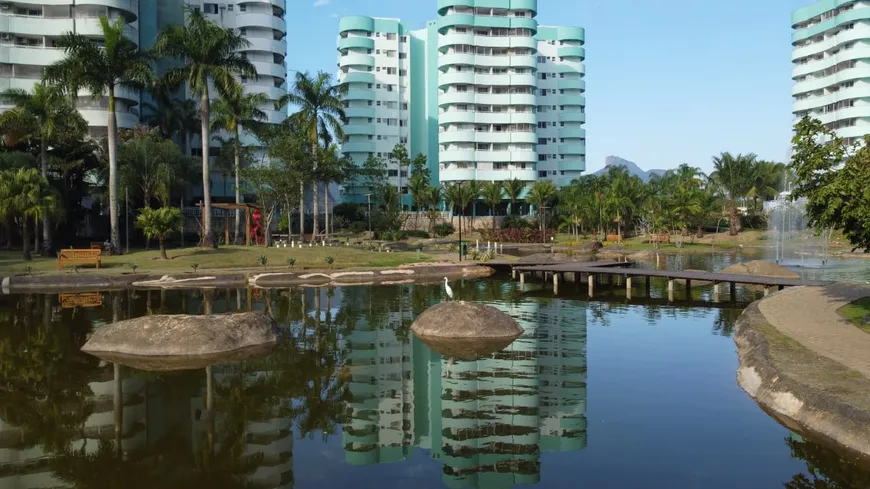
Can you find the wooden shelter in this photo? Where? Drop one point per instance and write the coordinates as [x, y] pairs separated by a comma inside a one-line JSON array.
[[248, 208]]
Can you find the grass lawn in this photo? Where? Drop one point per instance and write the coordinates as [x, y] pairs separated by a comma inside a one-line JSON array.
[[225, 258], [858, 313]]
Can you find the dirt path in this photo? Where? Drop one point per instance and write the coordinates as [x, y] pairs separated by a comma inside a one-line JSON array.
[[809, 315]]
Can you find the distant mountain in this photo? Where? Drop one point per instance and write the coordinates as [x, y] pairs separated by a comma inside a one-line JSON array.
[[630, 166]]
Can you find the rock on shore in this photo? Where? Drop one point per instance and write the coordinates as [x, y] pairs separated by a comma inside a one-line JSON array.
[[760, 268], [465, 320]]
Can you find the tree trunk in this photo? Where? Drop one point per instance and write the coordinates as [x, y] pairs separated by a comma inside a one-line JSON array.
[[733, 220], [315, 209], [238, 166], [326, 210], [207, 238], [46, 222], [162, 248], [25, 238], [301, 212], [36, 234], [699, 233], [493, 220], [113, 173]]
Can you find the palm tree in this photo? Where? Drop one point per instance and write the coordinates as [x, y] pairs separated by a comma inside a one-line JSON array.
[[158, 223], [541, 194], [734, 173], [176, 117], [231, 112], [100, 68], [492, 193], [418, 186], [25, 195], [514, 189], [432, 198], [47, 116], [767, 181], [320, 111], [210, 56]]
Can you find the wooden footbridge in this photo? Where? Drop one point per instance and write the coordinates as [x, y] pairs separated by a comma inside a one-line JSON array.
[[591, 271]]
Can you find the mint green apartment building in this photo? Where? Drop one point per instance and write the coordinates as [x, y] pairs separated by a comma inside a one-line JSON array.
[[483, 91]]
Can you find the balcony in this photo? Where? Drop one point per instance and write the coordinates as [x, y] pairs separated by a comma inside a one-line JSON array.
[[356, 42], [358, 77], [365, 112], [356, 59], [260, 20], [358, 147]]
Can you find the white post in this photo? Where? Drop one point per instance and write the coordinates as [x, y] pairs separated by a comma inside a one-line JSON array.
[[522, 280], [478, 245], [556, 283], [671, 290], [488, 247], [591, 279], [628, 287]]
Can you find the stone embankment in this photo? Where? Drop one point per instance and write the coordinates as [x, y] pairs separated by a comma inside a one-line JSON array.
[[807, 365]]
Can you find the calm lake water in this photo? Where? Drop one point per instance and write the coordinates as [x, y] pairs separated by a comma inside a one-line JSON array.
[[595, 394]]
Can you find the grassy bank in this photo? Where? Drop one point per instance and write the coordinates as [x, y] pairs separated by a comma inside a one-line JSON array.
[[858, 313], [225, 259]]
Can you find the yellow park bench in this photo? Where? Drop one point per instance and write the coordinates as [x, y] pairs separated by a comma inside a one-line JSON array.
[[660, 238], [79, 256]]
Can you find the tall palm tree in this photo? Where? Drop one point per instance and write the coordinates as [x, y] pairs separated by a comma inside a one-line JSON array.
[[320, 111], [768, 180], [493, 194], [541, 194], [210, 56], [734, 173], [514, 189], [47, 116], [100, 68], [231, 112], [176, 117], [432, 198], [25, 195]]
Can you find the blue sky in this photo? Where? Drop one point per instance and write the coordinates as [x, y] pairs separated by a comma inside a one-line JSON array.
[[667, 81]]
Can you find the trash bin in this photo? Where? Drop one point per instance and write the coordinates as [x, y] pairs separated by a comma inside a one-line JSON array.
[[463, 248]]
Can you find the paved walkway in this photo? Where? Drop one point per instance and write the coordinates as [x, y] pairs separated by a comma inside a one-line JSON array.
[[809, 315]]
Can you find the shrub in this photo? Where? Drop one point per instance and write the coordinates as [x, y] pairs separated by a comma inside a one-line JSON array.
[[515, 235], [413, 233], [444, 229], [516, 222], [350, 212], [358, 227]]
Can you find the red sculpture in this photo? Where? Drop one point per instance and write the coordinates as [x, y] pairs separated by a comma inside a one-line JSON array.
[[256, 229]]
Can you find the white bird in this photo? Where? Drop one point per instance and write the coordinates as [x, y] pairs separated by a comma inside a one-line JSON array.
[[448, 289]]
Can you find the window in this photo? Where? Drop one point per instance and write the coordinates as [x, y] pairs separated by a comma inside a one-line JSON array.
[[379, 87], [243, 8], [542, 174], [370, 137], [403, 55], [542, 125], [379, 119], [371, 120], [243, 32], [404, 105], [369, 103], [392, 71], [542, 157], [542, 140], [543, 76], [404, 39], [210, 8], [391, 36], [230, 7], [542, 59], [377, 51], [379, 137], [403, 72], [370, 85], [391, 88]]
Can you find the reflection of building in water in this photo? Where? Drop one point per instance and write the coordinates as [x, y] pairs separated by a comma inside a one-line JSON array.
[[380, 429], [28, 465], [486, 420], [266, 431]]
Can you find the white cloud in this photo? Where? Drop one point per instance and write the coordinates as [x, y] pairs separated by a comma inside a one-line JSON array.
[[333, 16], [321, 3]]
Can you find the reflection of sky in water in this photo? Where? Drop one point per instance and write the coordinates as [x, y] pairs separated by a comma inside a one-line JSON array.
[[594, 394]]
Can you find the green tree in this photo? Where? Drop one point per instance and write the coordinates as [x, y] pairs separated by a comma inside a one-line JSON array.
[[768, 179], [158, 223], [493, 194], [833, 179], [462, 194], [100, 68], [332, 167], [151, 165], [399, 155], [44, 115], [433, 197], [291, 147], [25, 195], [320, 111], [514, 190], [231, 112], [210, 56], [734, 173], [418, 185], [542, 194], [177, 117]]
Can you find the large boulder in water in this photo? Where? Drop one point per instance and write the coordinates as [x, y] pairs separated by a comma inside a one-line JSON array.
[[760, 268], [170, 342], [462, 321]]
